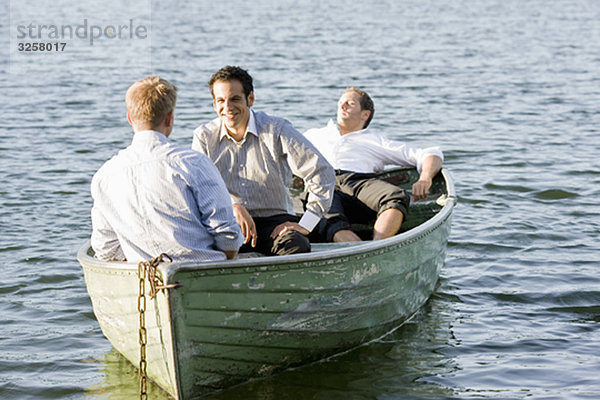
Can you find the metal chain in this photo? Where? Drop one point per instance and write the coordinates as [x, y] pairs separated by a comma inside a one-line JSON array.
[[156, 284], [143, 338]]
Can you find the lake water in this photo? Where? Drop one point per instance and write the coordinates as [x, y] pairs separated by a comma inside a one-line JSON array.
[[509, 89]]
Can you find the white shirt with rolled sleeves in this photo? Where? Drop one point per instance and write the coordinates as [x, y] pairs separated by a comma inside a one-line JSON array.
[[154, 197], [366, 151]]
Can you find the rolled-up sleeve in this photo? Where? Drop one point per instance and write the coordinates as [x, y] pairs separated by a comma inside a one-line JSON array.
[[405, 155], [424, 153]]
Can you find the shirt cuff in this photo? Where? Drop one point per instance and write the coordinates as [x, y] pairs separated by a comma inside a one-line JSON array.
[[309, 220], [229, 241]]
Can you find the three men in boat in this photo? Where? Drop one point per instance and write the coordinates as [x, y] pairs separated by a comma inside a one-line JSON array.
[[154, 197]]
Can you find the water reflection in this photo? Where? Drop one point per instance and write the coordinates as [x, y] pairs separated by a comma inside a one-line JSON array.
[[120, 381]]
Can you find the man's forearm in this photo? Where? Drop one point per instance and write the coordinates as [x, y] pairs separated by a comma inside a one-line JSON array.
[[431, 166]]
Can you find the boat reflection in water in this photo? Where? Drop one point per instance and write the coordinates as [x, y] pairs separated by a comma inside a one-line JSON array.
[[121, 380]]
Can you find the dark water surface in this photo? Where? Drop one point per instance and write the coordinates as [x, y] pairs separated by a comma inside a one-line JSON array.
[[509, 89]]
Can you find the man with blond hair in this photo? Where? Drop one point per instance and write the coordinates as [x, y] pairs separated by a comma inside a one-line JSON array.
[[357, 152], [154, 197]]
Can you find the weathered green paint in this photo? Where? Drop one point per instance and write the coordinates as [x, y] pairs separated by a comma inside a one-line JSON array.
[[232, 321], [113, 289]]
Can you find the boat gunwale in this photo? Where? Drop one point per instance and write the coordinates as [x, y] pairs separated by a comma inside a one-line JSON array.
[[330, 251]]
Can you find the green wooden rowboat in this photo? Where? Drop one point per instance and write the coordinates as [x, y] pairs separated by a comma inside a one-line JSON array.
[[229, 322]]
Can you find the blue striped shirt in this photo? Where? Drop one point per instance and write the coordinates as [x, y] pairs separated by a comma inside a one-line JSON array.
[[258, 170], [154, 197]]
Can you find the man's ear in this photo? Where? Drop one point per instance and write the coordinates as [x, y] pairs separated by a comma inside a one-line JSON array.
[[251, 99], [169, 118], [364, 115], [129, 120]]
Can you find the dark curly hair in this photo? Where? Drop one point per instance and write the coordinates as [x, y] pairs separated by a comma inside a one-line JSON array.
[[232, 73]]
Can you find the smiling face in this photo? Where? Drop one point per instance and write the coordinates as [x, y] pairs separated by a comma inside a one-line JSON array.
[[350, 116], [232, 106]]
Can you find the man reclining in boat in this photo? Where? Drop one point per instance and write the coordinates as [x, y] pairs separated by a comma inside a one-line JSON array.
[[154, 197], [257, 154], [356, 152]]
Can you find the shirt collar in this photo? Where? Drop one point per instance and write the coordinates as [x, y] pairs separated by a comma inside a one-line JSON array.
[[250, 128], [146, 136], [333, 125]]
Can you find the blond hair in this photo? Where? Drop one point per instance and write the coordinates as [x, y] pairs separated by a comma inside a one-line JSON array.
[[150, 100]]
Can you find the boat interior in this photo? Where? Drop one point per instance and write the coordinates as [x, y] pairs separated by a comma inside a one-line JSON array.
[[418, 212]]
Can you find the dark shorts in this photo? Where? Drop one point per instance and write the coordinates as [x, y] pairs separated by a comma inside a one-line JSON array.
[[359, 199], [289, 243]]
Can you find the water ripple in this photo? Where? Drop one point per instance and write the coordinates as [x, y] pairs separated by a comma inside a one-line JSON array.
[[509, 91]]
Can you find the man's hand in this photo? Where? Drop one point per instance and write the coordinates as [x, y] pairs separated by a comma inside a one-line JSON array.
[[243, 218], [431, 166], [420, 189], [288, 226], [230, 254]]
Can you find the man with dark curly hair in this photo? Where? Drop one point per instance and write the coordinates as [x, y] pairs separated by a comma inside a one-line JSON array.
[[257, 154]]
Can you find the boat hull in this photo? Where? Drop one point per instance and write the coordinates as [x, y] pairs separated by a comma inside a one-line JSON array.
[[232, 321], [255, 320]]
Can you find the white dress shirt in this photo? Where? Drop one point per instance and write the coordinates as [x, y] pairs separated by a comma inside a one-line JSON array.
[[154, 197], [366, 151]]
